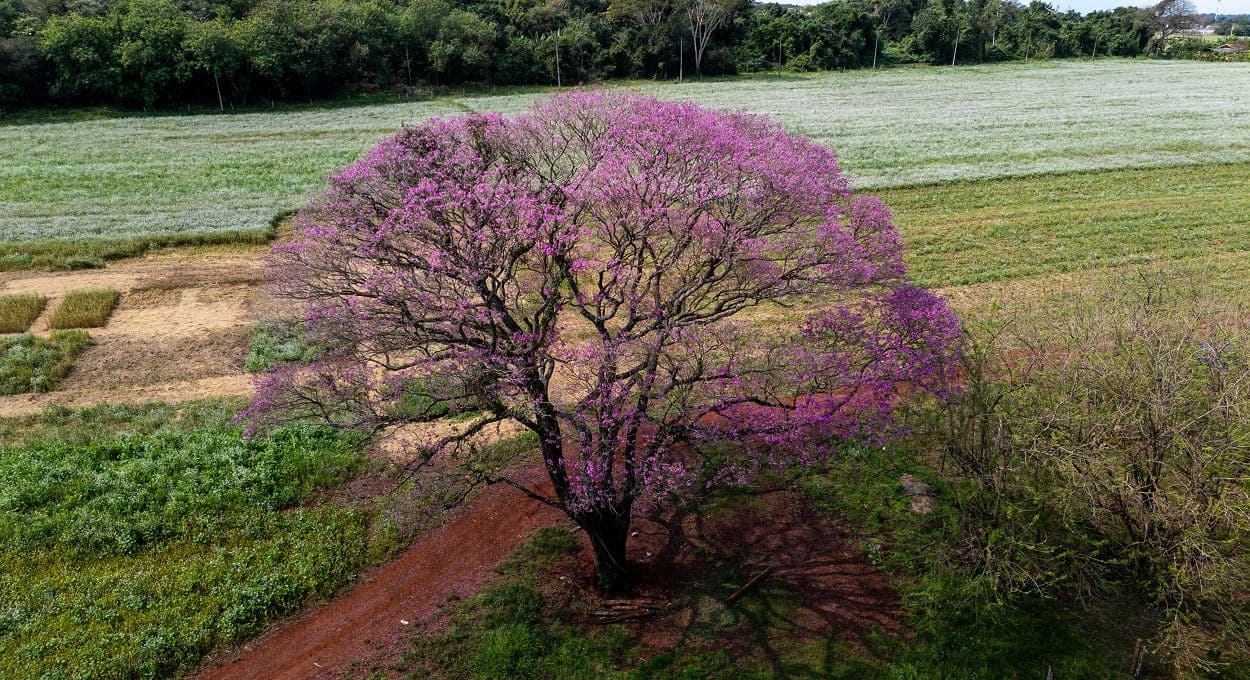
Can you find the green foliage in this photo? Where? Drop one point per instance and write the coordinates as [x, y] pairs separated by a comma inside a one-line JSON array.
[[18, 312], [58, 424], [122, 496], [136, 556], [84, 309], [1103, 452], [274, 343], [34, 364], [960, 628], [165, 52]]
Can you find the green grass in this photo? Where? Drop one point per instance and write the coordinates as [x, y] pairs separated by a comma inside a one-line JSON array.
[[120, 184], [61, 425], [94, 253], [84, 309], [35, 364], [18, 312], [137, 555], [976, 232]]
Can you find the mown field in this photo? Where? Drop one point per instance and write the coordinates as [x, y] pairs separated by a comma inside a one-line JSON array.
[[184, 178]]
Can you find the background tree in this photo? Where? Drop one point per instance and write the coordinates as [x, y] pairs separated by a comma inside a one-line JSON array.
[[705, 18], [1170, 17], [581, 270], [213, 46]]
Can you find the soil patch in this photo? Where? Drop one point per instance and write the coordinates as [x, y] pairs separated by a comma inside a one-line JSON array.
[[180, 331], [368, 625], [118, 361]]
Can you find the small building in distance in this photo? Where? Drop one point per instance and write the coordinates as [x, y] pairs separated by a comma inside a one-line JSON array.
[[1231, 48]]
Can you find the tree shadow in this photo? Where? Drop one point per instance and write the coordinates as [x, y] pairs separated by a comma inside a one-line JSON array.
[[822, 594]]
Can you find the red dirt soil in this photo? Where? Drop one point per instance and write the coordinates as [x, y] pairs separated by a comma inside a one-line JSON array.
[[365, 628]]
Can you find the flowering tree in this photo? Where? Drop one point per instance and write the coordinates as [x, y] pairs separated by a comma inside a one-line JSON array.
[[584, 270]]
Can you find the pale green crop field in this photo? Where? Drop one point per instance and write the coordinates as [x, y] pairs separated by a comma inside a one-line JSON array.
[[136, 177]]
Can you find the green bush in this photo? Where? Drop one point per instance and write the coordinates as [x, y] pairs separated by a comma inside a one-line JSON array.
[[1105, 454], [33, 364], [274, 343]]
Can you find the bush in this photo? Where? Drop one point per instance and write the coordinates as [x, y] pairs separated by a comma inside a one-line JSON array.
[[274, 343], [1109, 450], [18, 312], [34, 364], [84, 309]]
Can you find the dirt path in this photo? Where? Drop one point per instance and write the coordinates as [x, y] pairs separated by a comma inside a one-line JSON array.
[[366, 628], [183, 390]]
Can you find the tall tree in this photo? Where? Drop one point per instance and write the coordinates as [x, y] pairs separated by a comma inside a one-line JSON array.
[[706, 17], [582, 270], [213, 46]]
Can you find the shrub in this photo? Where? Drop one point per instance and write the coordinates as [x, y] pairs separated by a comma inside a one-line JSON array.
[[274, 343], [34, 364], [84, 309], [1117, 460], [18, 312]]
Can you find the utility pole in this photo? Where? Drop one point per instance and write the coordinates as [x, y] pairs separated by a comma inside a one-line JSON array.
[[681, 59], [557, 57]]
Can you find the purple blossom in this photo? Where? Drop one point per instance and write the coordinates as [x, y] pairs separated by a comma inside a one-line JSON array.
[[582, 269]]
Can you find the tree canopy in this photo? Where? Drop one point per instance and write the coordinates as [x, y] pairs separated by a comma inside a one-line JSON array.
[[585, 270]]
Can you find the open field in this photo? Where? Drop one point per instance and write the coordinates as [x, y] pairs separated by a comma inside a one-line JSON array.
[[229, 175], [1024, 185], [179, 332], [976, 232]]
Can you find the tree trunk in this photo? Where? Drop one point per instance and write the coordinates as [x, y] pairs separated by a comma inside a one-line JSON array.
[[608, 531], [221, 105]]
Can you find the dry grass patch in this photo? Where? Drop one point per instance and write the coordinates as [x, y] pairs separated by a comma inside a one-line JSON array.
[[84, 309], [18, 312]]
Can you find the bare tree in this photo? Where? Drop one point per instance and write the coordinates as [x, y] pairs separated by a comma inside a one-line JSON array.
[[1170, 18], [706, 16]]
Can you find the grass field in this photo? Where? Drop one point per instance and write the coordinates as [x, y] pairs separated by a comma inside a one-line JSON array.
[[189, 177], [987, 231], [137, 539]]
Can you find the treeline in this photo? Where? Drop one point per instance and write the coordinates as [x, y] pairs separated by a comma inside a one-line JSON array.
[[159, 53]]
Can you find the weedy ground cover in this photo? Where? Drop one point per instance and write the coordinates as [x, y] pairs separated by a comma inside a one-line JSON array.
[[84, 309], [122, 184], [276, 342], [139, 539], [135, 555], [18, 312], [29, 363], [530, 623]]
